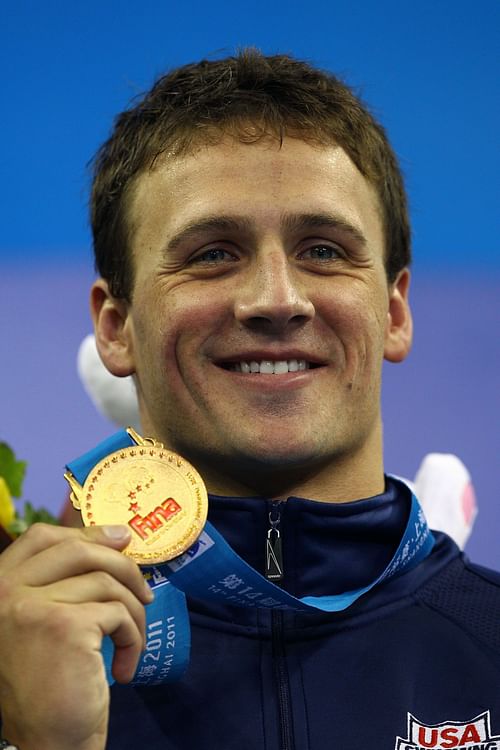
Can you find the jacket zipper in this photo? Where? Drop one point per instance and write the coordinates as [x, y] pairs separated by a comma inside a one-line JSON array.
[[274, 557], [274, 572]]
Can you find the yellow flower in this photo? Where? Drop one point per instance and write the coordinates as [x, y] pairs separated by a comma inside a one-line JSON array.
[[7, 510]]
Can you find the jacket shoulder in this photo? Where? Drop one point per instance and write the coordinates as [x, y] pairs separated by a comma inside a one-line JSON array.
[[469, 595], [493, 576]]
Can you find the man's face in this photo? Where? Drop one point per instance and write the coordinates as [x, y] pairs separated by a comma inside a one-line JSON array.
[[260, 311]]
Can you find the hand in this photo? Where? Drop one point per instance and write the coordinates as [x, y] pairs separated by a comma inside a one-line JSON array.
[[61, 591]]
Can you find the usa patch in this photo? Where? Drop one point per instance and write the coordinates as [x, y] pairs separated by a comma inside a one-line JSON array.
[[459, 735]]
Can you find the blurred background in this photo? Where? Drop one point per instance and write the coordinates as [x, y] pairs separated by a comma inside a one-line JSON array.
[[428, 70]]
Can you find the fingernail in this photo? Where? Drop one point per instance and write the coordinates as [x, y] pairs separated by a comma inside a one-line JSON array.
[[148, 591], [116, 532]]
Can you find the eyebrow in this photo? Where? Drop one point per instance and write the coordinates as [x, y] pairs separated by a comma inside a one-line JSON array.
[[290, 222], [208, 224], [298, 222]]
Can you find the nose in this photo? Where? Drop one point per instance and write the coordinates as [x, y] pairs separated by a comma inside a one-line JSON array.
[[271, 298]]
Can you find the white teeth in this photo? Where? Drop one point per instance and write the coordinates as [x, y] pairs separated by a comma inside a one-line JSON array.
[[280, 367], [269, 367]]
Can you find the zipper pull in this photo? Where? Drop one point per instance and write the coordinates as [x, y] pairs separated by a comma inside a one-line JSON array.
[[274, 556]]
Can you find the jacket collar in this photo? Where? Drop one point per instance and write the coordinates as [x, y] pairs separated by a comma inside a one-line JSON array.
[[327, 547]]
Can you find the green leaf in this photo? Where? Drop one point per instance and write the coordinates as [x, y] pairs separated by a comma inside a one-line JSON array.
[[31, 515], [17, 526], [38, 515], [11, 470]]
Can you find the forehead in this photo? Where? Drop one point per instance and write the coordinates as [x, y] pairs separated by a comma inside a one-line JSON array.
[[260, 181]]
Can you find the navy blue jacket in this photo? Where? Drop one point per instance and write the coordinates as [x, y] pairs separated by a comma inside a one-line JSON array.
[[424, 645]]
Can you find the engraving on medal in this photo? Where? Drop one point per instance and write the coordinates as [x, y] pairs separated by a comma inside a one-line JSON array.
[[156, 493], [154, 520]]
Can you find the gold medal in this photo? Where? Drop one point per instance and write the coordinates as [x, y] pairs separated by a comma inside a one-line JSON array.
[[156, 493]]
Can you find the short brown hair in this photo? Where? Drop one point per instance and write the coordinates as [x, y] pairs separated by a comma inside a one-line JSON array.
[[248, 96]]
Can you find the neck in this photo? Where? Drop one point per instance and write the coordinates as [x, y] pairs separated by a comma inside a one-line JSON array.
[[350, 476]]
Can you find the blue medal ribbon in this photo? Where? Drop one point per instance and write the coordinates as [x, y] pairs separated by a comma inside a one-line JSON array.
[[211, 569]]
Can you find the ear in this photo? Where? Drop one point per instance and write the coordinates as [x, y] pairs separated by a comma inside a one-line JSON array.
[[399, 331], [112, 326]]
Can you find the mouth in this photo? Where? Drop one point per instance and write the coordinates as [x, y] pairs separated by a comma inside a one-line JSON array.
[[269, 366]]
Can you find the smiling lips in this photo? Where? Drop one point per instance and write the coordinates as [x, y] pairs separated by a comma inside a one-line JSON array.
[[269, 367]]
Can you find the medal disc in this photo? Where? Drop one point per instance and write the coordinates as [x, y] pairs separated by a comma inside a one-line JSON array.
[[156, 493]]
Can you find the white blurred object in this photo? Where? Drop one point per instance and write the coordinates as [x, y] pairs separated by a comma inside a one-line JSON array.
[[446, 493], [114, 397], [442, 484]]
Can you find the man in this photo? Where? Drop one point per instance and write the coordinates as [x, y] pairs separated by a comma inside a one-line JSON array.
[[251, 236]]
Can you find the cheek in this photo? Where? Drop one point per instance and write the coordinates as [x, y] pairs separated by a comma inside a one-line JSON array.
[[359, 322], [354, 314], [178, 323]]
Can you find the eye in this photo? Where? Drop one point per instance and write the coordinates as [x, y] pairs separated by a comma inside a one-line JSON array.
[[212, 256], [321, 253]]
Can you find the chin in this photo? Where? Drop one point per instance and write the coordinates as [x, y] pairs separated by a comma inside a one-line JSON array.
[[272, 457]]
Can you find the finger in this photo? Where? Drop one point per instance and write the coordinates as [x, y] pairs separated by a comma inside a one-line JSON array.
[[98, 586], [76, 557], [41, 631], [115, 621], [41, 536]]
